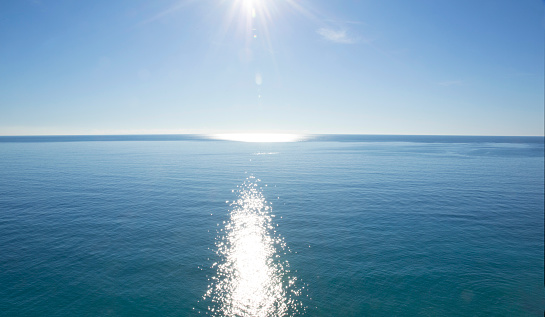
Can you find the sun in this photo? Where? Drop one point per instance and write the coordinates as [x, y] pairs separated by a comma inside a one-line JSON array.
[[249, 16], [256, 20], [252, 3]]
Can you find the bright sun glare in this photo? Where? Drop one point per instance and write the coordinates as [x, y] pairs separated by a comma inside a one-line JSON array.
[[259, 137], [249, 17]]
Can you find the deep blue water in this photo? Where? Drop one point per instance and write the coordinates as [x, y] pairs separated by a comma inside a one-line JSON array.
[[370, 225]]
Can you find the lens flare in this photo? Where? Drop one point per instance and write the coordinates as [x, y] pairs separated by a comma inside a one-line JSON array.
[[252, 278]]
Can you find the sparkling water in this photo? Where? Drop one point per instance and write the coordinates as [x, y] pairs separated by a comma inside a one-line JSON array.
[[329, 226]]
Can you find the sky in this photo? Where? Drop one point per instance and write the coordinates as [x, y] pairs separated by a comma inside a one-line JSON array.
[[457, 67]]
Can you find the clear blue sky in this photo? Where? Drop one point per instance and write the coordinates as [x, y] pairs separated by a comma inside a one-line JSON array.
[[467, 67]]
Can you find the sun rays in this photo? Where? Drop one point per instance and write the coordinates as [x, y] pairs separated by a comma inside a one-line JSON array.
[[254, 19]]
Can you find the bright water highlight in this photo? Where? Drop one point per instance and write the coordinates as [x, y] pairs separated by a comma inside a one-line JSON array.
[[252, 278]]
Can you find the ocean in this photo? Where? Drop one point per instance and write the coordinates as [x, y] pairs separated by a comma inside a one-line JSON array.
[[333, 225]]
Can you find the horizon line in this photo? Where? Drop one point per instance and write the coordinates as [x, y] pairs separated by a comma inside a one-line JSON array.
[[261, 133], [273, 138]]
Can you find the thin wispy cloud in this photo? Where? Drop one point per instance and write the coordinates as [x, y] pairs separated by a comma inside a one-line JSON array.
[[450, 83], [342, 22], [336, 36], [354, 22]]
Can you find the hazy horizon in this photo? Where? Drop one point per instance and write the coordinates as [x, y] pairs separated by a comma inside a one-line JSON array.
[[227, 135]]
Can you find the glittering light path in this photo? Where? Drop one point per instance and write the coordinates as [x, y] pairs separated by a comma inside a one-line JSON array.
[[252, 278]]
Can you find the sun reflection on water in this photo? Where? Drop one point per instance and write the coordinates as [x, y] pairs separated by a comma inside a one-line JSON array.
[[252, 279]]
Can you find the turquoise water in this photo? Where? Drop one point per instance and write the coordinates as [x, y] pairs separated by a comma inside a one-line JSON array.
[[335, 226]]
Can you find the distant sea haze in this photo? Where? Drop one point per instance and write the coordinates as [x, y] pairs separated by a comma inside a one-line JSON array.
[[296, 137], [326, 225]]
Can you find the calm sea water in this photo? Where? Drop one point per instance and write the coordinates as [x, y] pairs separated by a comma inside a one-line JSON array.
[[334, 226]]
